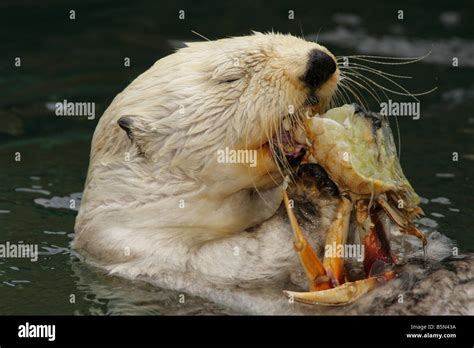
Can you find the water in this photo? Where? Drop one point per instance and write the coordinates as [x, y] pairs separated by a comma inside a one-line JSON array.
[[82, 60]]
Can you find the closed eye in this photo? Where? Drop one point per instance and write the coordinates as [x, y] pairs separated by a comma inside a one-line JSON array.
[[224, 74], [230, 80]]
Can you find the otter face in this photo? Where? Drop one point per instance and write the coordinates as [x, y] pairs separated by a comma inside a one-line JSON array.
[[257, 81], [273, 77], [242, 93]]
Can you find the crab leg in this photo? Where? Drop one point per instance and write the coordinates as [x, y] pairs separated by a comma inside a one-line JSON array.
[[341, 295], [400, 220], [336, 237], [311, 263], [347, 292]]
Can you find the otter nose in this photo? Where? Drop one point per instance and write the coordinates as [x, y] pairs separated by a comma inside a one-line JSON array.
[[319, 68]]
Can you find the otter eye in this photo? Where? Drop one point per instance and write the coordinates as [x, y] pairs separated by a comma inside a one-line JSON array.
[[230, 80], [226, 74]]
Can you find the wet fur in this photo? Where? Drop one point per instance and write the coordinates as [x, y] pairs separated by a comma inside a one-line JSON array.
[[130, 223], [176, 116]]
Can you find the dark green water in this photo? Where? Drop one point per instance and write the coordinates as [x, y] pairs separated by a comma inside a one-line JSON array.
[[82, 60]]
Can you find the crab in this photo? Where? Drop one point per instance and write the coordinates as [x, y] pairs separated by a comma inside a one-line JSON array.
[[356, 149]]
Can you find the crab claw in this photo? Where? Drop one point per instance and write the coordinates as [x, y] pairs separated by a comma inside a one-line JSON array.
[[326, 279], [343, 294], [377, 253]]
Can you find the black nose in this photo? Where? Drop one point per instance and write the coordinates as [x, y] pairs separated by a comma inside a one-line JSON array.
[[319, 68]]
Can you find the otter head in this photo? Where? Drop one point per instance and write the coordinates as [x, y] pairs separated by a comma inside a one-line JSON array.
[[154, 168], [238, 93]]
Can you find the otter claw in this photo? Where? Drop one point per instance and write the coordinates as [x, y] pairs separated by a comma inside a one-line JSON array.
[[341, 295]]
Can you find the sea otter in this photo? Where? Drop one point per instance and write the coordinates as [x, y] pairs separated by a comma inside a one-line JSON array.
[[159, 205], [156, 198]]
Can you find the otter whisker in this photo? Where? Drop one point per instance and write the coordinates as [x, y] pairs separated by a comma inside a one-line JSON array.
[[338, 96], [342, 95], [354, 94], [362, 78], [382, 57], [386, 63], [268, 137], [200, 35], [262, 129], [301, 29], [335, 99], [353, 77], [368, 81], [347, 98], [295, 121], [275, 136], [354, 70], [317, 35], [357, 66], [358, 77], [405, 60], [354, 87], [405, 91], [361, 100], [372, 92], [350, 70]]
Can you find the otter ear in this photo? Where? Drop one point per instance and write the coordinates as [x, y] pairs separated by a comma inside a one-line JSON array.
[[125, 122], [132, 125]]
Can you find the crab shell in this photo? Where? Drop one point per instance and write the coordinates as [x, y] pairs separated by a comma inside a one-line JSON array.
[[345, 139]]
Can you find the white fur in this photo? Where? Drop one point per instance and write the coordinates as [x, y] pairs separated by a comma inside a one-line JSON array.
[[182, 110]]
